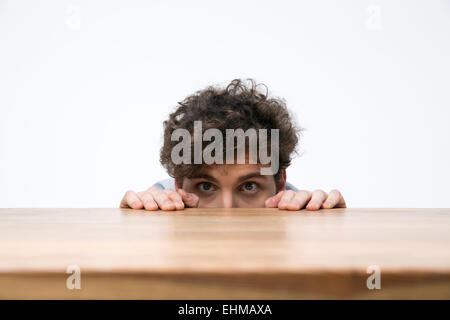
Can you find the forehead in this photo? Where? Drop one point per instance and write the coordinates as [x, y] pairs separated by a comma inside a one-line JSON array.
[[230, 170]]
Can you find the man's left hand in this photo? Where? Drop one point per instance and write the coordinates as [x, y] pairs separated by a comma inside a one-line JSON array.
[[318, 199]]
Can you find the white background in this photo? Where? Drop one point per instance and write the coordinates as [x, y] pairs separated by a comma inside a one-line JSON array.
[[85, 86]]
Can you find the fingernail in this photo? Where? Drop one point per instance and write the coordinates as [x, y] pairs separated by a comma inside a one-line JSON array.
[[192, 196], [150, 205], [167, 203], [135, 204]]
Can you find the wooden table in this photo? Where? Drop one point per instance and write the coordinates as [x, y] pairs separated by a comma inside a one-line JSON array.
[[224, 254]]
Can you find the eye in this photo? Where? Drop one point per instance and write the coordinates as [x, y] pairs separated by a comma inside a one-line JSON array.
[[249, 187], [205, 186]]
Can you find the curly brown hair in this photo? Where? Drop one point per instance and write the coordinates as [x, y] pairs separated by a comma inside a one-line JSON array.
[[236, 106]]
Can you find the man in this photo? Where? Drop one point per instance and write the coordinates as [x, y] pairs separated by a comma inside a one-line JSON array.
[[240, 183]]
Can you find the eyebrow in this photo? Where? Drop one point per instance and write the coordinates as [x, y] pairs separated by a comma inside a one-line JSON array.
[[250, 175], [240, 179], [205, 176]]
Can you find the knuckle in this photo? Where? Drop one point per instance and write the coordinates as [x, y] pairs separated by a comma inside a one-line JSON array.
[[304, 193], [172, 193], [147, 196], [289, 193], [169, 191], [319, 192], [154, 190], [164, 196], [177, 199], [157, 193], [336, 192], [129, 193]]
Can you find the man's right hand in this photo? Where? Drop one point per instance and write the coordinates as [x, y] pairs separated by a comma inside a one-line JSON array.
[[153, 199]]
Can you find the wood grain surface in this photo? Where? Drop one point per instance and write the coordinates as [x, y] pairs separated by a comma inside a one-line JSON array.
[[224, 253]]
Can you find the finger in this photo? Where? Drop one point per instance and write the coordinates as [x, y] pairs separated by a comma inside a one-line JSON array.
[[334, 200], [189, 199], [317, 198], [285, 199], [162, 199], [149, 202], [300, 199], [272, 202], [176, 198], [131, 200]]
